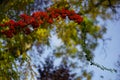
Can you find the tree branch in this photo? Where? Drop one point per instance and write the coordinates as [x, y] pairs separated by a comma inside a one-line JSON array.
[[112, 7]]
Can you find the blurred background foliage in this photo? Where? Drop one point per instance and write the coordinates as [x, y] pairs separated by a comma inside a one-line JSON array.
[[78, 41]]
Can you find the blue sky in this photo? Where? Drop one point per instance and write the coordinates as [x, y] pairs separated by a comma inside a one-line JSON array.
[[108, 55]]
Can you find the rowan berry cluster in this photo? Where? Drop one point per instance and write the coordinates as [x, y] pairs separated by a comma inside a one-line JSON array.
[[11, 28]]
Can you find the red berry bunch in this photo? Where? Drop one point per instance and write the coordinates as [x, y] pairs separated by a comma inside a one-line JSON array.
[[35, 20], [54, 13]]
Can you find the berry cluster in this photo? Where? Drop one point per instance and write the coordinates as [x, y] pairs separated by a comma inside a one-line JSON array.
[[35, 20], [54, 13]]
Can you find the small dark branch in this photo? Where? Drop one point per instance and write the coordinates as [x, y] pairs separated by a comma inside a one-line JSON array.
[[112, 7], [110, 4]]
